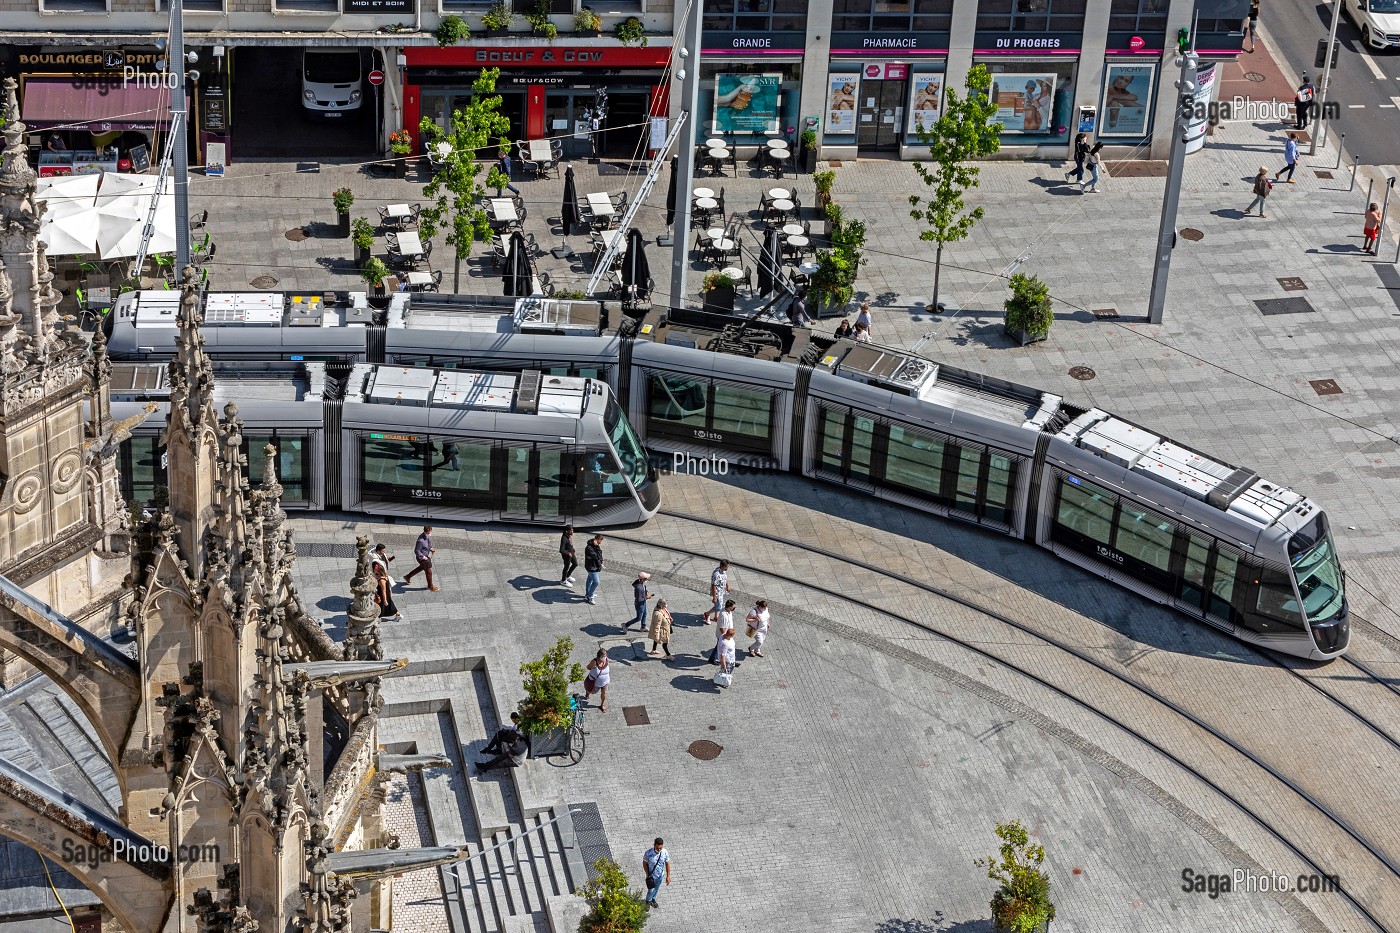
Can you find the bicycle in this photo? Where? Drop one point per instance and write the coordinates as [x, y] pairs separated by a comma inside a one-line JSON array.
[[576, 730]]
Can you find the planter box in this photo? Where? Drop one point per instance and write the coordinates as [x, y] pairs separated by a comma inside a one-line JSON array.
[[362, 254], [809, 162], [549, 744], [1021, 337], [343, 226], [495, 33], [720, 300]]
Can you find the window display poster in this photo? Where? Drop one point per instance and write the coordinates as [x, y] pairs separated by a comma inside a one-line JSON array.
[[1127, 93], [927, 100], [747, 103], [1024, 101], [841, 105]]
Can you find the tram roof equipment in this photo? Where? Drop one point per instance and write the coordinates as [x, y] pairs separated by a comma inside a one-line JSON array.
[[527, 392]]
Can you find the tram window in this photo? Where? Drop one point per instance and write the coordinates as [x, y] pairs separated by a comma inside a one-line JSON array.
[[745, 412], [1222, 587], [394, 467], [600, 475], [628, 446], [460, 470], [1000, 476], [833, 430], [679, 400], [1192, 585], [1145, 537], [969, 471], [291, 462], [1086, 510], [862, 446], [144, 471], [914, 461], [1275, 606]]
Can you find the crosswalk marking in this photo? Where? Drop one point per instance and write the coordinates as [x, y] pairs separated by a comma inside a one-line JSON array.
[[1355, 106], [1371, 64]]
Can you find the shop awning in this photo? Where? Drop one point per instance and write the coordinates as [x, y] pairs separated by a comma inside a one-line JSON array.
[[96, 103]]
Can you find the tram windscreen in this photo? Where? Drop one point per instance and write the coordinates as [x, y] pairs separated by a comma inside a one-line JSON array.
[[630, 452], [1317, 571]]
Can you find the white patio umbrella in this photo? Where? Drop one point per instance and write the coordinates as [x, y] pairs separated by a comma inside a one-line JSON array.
[[73, 234], [123, 204]]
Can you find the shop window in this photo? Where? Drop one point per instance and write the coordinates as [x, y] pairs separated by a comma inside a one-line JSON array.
[[902, 15], [530, 7], [74, 6], [755, 15], [1033, 98], [307, 6], [194, 6]]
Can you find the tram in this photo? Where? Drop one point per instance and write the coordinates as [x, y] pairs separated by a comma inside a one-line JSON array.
[[377, 427]]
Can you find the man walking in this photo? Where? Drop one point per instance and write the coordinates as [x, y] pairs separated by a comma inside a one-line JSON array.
[[570, 556], [593, 564], [423, 552], [640, 595], [719, 588], [1303, 102], [1290, 157], [656, 868]]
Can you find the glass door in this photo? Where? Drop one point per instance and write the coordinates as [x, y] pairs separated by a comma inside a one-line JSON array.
[[880, 116], [540, 483]]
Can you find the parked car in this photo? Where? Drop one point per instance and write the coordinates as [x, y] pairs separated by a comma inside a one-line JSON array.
[[1379, 21]]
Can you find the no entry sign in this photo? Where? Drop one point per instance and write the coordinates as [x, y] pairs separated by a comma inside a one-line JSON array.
[[376, 77]]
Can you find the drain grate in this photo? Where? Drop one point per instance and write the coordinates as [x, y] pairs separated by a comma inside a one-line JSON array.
[[264, 281], [1192, 234], [297, 234], [589, 835], [1082, 373], [1284, 306], [636, 716], [1291, 283], [1324, 175], [1325, 386], [705, 750], [1105, 313]]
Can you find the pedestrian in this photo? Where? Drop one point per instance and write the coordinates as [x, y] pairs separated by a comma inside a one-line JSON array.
[[757, 622], [423, 552], [719, 588], [599, 675], [1303, 102], [1290, 157], [863, 316], [382, 557], [1372, 229], [862, 334], [656, 868], [570, 556], [660, 632], [640, 595], [1081, 152], [797, 311], [844, 329], [725, 676], [1091, 159], [593, 565], [509, 746], [726, 625], [1251, 26], [1262, 187], [384, 594]]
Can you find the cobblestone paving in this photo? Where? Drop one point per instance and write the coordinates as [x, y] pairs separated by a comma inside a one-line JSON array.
[[417, 895]]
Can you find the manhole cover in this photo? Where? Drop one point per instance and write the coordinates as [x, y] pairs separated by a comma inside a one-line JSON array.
[[705, 750], [1105, 313], [1325, 386], [264, 281], [636, 716], [1324, 175], [1082, 373], [1292, 283], [296, 234], [1192, 234], [1283, 306], [1254, 76]]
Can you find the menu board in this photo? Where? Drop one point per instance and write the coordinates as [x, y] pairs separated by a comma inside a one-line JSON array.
[[140, 158], [841, 104], [1024, 102]]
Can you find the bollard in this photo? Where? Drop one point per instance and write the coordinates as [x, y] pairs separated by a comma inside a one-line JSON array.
[[1369, 185], [1341, 143], [1354, 165], [1385, 206]]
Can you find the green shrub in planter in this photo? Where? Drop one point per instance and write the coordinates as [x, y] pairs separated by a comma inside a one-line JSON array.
[[586, 21], [570, 294], [631, 32], [374, 271], [498, 17], [1022, 904], [547, 685], [451, 30], [1028, 311], [614, 906], [342, 198], [362, 232]]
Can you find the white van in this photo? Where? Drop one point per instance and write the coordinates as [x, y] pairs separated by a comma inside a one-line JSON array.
[[330, 82]]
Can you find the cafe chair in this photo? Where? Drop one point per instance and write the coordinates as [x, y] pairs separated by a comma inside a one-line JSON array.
[[202, 258], [197, 221]]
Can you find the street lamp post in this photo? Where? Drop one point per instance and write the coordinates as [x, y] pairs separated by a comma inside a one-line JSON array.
[[688, 71], [1321, 134], [1176, 170]]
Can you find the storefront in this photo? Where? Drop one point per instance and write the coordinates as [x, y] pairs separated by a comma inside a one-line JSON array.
[[1034, 79], [545, 91], [92, 110], [750, 86], [880, 89]]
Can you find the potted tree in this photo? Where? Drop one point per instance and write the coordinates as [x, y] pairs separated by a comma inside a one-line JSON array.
[[631, 32], [545, 714], [1028, 311], [342, 198], [362, 232], [373, 271], [401, 144], [451, 30], [613, 905], [809, 150], [824, 181], [719, 293], [540, 23], [496, 21], [833, 284], [1022, 903], [834, 217], [587, 23]]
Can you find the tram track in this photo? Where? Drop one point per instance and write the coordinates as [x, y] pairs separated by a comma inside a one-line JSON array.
[[1313, 802]]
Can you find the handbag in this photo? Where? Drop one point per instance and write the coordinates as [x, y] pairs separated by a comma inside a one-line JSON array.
[[749, 631], [723, 678]]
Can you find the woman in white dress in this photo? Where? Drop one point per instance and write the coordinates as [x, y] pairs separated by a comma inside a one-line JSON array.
[[758, 627]]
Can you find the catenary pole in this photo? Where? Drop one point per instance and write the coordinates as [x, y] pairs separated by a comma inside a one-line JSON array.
[[179, 125], [1321, 135], [687, 66], [1176, 170]]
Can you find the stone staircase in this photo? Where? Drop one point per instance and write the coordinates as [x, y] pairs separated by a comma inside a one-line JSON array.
[[527, 860]]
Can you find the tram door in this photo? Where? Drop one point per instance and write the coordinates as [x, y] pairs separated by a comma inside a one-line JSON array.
[[539, 483]]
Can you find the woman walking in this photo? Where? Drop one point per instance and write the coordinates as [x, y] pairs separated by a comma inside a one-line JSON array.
[[758, 627], [1081, 152], [725, 676], [726, 626], [1092, 161], [384, 593], [1262, 187], [599, 675], [660, 632]]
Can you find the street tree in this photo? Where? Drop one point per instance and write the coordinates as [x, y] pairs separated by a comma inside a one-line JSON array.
[[456, 190], [965, 130]]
